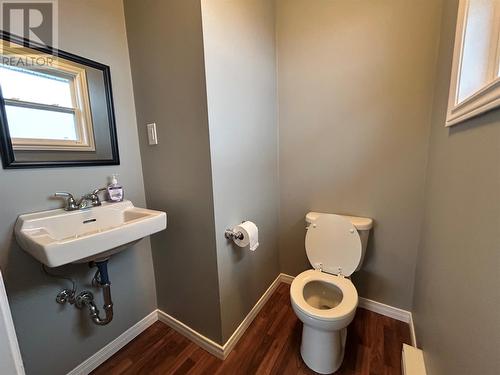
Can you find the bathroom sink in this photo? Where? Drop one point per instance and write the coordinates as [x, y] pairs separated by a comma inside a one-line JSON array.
[[59, 237]]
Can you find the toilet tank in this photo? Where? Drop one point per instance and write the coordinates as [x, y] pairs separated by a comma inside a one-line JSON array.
[[362, 224]]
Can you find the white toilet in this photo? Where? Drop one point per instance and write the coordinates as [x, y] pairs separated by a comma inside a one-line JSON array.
[[324, 299]]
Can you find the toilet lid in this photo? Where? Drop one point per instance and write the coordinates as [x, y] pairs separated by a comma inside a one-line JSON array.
[[333, 244]]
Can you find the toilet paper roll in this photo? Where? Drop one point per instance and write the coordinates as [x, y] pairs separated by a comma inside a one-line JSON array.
[[250, 235]]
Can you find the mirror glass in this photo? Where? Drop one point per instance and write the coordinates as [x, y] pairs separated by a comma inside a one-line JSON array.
[[56, 108]]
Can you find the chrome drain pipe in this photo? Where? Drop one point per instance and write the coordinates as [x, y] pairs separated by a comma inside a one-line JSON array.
[[86, 298]]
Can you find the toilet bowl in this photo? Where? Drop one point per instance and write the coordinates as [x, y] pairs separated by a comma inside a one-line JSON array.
[[326, 304], [324, 298]]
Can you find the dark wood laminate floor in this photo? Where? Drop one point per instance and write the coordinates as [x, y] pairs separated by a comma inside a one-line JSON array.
[[269, 346]]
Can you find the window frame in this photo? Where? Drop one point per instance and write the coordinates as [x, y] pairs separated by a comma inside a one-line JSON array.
[[488, 96], [81, 110]]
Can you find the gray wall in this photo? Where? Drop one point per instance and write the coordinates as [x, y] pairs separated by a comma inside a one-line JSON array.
[[239, 41], [457, 295], [166, 52], [355, 89], [54, 338]]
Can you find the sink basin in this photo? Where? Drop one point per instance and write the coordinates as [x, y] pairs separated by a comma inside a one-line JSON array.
[[59, 237]]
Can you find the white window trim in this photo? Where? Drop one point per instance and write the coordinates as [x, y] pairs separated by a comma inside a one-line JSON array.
[[82, 111], [486, 98]]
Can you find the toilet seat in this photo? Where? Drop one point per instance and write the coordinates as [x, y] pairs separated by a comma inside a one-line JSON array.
[[346, 306], [333, 245]]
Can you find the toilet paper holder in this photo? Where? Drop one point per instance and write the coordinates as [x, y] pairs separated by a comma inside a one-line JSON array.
[[244, 234], [231, 234]]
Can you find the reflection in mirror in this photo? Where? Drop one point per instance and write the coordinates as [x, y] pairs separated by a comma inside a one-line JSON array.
[[56, 108]]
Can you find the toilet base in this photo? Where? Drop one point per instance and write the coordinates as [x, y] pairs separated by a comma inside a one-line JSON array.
[[323, 351]]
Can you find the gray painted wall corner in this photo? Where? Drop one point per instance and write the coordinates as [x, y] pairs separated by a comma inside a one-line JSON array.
[[166, 53]]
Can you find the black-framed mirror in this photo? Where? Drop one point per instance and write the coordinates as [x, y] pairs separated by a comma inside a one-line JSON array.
[[56, 108]]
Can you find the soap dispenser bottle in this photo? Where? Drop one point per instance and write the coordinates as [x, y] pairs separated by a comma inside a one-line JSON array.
[[115, 191]]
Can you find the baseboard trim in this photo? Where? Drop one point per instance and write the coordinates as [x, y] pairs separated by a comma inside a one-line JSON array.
[[286, 278], [377, 307], [202, 341], [114, 346], [220, 351], [235, 337], [383, 309]]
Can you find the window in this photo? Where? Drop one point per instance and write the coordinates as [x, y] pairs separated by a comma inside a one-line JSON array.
[[475, 81], [47, 109]]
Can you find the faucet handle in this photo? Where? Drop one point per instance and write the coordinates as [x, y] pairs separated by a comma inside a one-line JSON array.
[[70, 202], [63, 194], [97, 191], [94, 196]]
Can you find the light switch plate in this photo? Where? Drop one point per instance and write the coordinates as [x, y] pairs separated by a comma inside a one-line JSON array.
[[152, 136]]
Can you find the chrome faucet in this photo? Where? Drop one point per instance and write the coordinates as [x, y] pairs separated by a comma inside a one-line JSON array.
[[70, 201], [94, 197], [86, 201]]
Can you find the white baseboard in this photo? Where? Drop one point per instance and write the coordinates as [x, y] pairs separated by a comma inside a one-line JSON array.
[[383, 309], [235, 337], [220, 351], [114, 346], [286, 278], [210, 346], [379, 308], [391, 312]]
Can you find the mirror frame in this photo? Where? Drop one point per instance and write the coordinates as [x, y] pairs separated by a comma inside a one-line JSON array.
[[6, 150]]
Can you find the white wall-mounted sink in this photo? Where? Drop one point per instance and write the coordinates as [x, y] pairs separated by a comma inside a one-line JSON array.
[[58, 237]]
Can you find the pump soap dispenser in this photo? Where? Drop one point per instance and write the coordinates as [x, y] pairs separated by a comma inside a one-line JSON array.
[[115, 191]]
